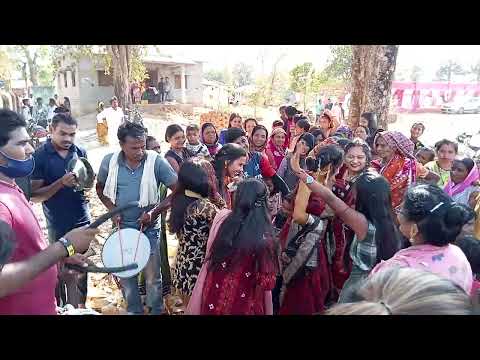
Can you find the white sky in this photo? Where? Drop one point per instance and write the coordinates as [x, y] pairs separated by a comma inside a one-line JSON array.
[[428, 57]]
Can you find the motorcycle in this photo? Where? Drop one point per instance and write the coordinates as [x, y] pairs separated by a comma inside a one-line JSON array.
[[38, 134], [469, 145]]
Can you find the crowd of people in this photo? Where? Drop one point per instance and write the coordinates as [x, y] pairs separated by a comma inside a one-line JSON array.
[[300, 219]]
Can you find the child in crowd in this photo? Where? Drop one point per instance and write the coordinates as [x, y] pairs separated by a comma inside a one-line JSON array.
[[194, 146], [277, 123], [302, 126], [446, 151], [425, 155]]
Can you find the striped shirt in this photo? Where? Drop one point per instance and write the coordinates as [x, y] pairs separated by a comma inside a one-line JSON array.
[[364, 253]]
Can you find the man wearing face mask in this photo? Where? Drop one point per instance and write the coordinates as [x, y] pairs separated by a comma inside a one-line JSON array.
[[27, 272], [54, 186]]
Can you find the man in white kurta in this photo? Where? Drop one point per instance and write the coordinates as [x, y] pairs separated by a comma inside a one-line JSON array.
[[114, 118]]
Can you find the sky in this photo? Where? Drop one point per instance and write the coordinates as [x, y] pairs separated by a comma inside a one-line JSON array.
[[428, 57]]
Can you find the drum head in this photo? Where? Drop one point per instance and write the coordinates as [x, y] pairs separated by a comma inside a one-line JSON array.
[[112, 251]]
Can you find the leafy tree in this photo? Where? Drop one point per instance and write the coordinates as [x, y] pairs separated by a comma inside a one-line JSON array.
[[339, 64], [7, 66], [445, 72], [242, 74], [214, 75], [301, 80], [123, 61], [415, 73], [475, 70]]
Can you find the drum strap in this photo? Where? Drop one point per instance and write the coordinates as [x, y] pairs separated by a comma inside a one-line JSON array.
[[121, 246]]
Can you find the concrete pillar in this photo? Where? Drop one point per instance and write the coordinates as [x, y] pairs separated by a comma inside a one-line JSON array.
[[182, 85]]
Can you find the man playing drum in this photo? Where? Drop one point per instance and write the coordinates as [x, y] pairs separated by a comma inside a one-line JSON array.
[[134, 174]]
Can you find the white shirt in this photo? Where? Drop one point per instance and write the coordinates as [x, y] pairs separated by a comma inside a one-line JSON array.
[[112, 116], [51, 112]]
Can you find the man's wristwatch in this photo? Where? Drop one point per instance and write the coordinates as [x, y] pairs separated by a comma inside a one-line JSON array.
[[68, 246], [309, 180]]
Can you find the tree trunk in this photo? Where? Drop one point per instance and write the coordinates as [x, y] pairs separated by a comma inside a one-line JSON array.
[[32, 65], [121, 64], [372, 74]]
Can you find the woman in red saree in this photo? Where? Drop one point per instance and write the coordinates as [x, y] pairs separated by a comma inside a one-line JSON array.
[[305, 289], [396, 163], [241, 263]]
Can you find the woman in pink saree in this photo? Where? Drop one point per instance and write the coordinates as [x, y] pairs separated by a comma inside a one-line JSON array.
[[463, 183]]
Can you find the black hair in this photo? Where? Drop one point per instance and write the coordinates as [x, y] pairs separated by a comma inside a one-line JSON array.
[[442, 142], [24, 101], [233, 134], [38, 98], [371, 117], [247, 120], [61, 110], [227, 154], [248, 228], [367, 130], [172, 130], [329, 154], [64, 118], [192, 127], [471, 248], [52, 100], [303, 123], [438, 217], [9, 121], [374, 201], [131, 129], [291, 111], [362, 144], [278, 123], [150, 139], [426, 149], [193, 177], [469, 163], [7, 243], [233, 116], [342, 141], [259, 127], [204, 126], [419, 124], [309, 139], [316, 132]]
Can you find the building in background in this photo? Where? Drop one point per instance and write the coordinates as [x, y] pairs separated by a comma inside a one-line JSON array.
[[85, 83]]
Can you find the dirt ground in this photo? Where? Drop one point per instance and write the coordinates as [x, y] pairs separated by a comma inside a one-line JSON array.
[[102, 289]]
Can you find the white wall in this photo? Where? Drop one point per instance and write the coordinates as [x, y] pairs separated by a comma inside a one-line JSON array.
[[91, 94], [73, 93]]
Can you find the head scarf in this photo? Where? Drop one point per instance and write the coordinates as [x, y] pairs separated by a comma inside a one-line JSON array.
[[212, 148], [452, 189], [398, 142], [345, 131], [334, 123]]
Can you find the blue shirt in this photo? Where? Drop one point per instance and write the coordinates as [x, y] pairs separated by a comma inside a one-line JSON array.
[[67, 209], [128, 185], [252, 167]]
